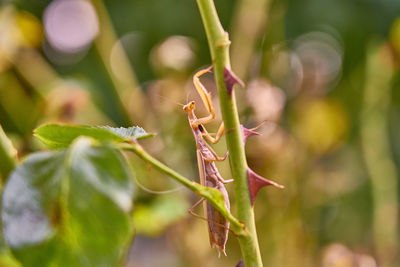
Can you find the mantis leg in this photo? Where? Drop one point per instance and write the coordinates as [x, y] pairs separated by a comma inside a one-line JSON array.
[[205, 96], [191, 212], [211, 159], [215, 157], [224, 181], [194, 206], [218, 135]]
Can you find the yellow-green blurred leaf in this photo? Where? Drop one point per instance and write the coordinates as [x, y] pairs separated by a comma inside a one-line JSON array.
[[320, 124], [153, 218]]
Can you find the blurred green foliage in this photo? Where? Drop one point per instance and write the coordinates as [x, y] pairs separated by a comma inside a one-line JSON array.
[[69, 208]]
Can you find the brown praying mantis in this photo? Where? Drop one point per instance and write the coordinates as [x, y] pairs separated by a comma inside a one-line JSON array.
[[218, 226]]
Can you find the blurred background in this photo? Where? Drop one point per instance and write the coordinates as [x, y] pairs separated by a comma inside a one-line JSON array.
[[323, 74]]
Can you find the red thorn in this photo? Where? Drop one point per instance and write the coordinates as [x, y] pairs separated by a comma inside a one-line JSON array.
[[230, 79], [256, 182], [240, 263], [247, 133]]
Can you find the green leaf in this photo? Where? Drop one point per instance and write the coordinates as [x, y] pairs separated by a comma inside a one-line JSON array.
[[127, 133], [6, 257], [61, 136], [7, 260], [70, 207]]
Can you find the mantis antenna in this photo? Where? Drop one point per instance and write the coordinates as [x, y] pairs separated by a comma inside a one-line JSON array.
[[168, 99]]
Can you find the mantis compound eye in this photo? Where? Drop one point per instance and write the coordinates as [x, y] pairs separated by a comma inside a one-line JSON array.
[[188, 107]]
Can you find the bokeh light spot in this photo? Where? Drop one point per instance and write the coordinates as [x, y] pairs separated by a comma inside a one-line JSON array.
[[31, 29], [321, 56], [70, 25], [174, 53], [266, 100]]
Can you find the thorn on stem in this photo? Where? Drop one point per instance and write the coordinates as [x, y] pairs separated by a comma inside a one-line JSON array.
[[247, 133], [230, 79], [240, 263], [255, 181]]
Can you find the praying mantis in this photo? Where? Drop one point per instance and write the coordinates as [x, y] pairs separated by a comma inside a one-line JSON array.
[[218, 226]]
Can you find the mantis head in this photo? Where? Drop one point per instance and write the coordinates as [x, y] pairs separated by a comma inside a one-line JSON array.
[[189, 107]]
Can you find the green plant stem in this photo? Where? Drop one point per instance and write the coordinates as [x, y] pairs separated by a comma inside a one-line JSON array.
[[379, 162], [212, 195], [8, 156], [247, 12], [219, 47]]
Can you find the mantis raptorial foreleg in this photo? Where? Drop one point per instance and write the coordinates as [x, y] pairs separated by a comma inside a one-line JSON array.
[[205, 96], [218, 135], [207, 101]]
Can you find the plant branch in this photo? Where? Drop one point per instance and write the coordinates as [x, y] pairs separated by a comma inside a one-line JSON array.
[[212, 195], [253, 12], [219, 47]]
